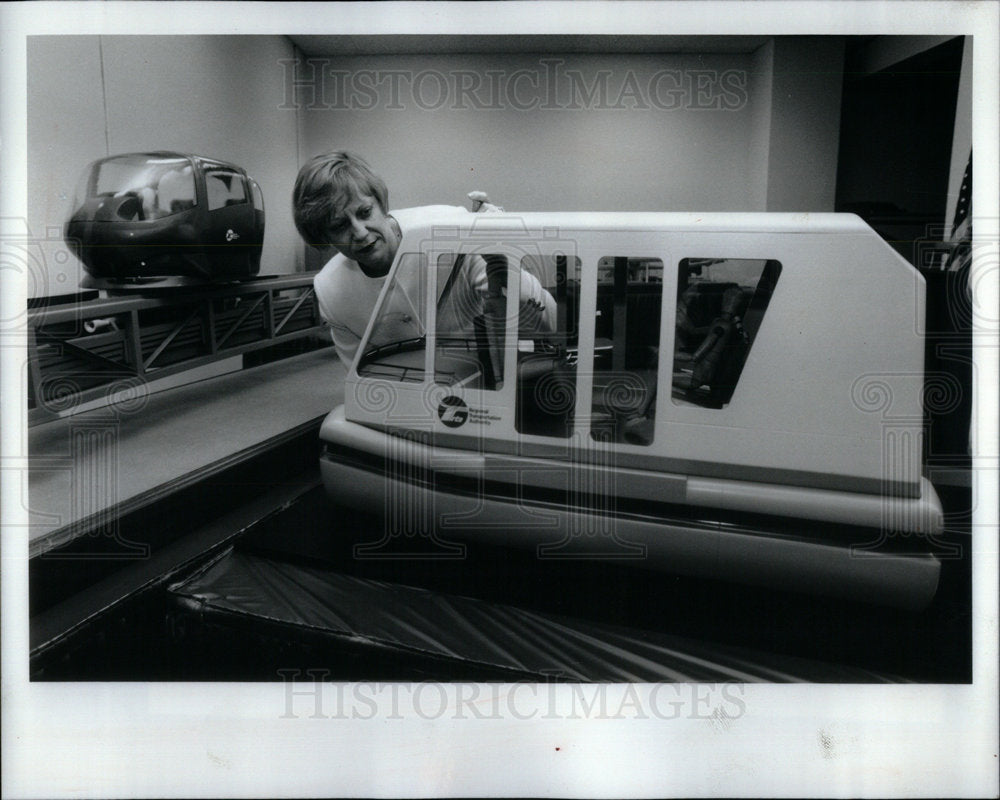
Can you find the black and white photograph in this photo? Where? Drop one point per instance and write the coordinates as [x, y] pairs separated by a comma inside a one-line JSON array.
[[500, 399]]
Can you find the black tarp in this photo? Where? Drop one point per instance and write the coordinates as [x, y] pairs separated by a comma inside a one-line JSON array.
[[308, 601]]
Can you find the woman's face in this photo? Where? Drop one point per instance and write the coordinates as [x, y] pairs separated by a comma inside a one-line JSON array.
[[363, 232]]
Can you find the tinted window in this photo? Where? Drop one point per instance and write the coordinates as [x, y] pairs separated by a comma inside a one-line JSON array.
[[548, 320], [224, 188], [626, 349], [471, 320], [141, 187], [721, 303]]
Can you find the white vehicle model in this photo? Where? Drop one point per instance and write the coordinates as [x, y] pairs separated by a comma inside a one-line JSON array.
[[734, 396]]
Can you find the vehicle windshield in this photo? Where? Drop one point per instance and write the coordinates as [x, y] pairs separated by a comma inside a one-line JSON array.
[[395, 346], [156, 187]]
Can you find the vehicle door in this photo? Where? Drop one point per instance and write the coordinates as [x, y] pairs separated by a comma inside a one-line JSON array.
[[230, 232]]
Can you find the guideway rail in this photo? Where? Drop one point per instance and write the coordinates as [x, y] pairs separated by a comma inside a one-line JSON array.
[[106, 347]]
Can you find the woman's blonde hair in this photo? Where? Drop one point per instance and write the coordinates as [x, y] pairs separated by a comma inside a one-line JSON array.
[[320, 186]]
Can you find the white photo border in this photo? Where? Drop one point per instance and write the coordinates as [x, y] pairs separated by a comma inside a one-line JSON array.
[[234, 739]]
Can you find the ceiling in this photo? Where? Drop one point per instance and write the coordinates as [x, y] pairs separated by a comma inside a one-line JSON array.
[[396, 44]]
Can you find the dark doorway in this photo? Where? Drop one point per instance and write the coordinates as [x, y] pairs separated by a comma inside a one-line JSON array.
[[895, 143]]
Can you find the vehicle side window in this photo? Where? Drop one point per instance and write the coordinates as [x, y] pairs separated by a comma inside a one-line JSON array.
[[148, 188], [175, 191], [720, 305], [548, 321], [471, 320], [559, 276], [224, 188], [626, 348]]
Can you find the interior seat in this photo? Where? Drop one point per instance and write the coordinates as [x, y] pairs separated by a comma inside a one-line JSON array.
[[723, 336]]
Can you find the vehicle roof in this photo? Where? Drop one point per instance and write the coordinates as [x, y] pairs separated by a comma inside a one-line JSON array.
[[170, 154], [759, 222]]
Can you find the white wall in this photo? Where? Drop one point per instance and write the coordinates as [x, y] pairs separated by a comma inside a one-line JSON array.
[[590, 156], [713, 132], [760, 88], [796, 97], [216, 96], [761, 134]]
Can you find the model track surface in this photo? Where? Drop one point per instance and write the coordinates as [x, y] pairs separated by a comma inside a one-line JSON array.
[[285, 596]]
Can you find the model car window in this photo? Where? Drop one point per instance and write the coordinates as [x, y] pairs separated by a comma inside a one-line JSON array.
[[547, 356], [175, 191], [224, 187], [471, 320], [640, 270], [721, 303], [626, 348], [558, 275], [142, 188], [396, 347]]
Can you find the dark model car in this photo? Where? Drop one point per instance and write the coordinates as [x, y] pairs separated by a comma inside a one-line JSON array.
[[166, 219]]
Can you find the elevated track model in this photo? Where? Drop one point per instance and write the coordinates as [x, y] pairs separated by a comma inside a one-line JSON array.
[[91, 349]]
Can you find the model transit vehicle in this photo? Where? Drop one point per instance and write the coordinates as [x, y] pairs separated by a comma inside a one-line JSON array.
[[145, 220], [733, 396]]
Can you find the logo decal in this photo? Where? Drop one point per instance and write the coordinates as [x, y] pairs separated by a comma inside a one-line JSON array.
[[453, 411], [231, 234]]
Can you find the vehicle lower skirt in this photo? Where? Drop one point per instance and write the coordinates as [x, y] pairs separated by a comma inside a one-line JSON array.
[[421, 508]]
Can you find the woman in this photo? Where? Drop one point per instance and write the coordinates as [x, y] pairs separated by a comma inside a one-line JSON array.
[[339, 202]]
